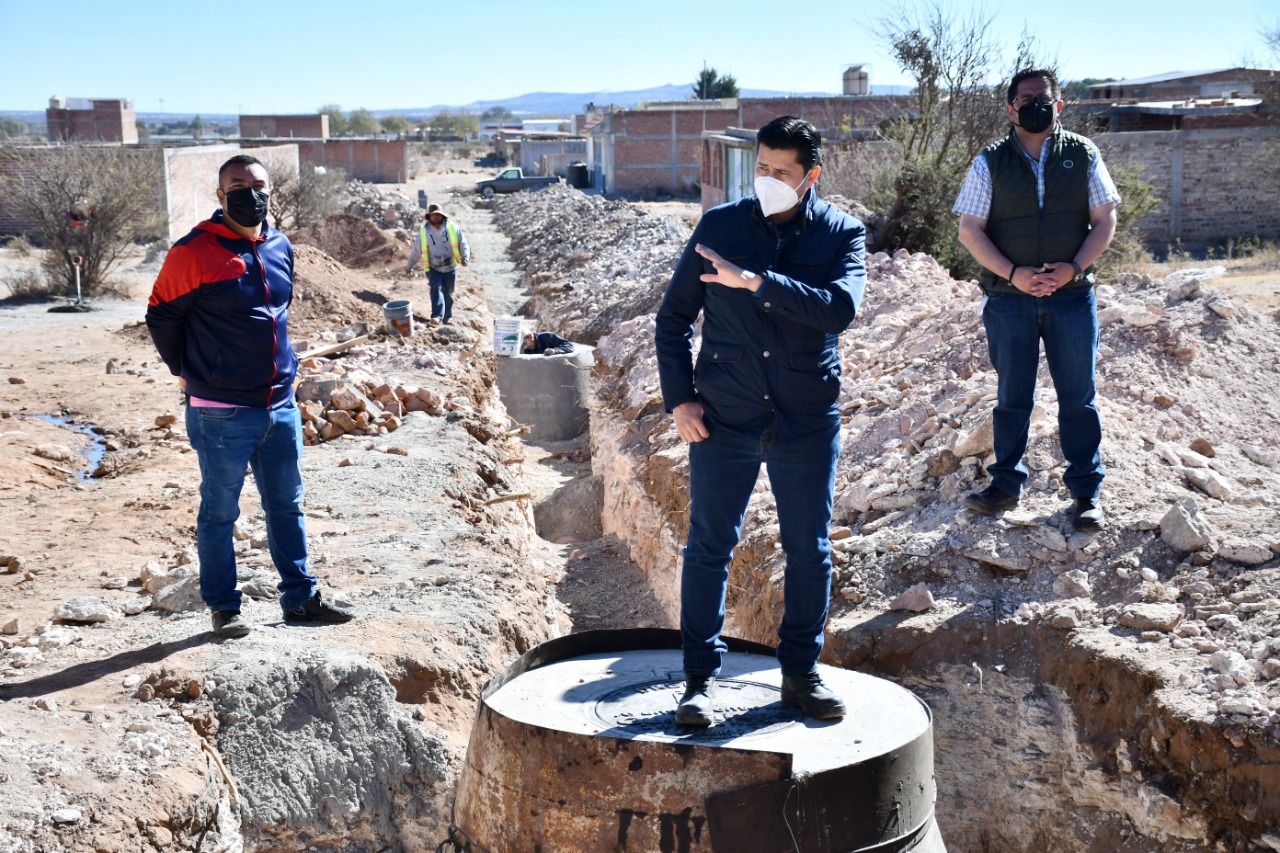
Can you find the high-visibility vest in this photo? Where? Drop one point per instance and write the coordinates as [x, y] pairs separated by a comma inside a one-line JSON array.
[[425, 243]]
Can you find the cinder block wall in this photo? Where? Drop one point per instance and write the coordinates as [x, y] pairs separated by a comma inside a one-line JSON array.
[[1206, 181], [372, 160], [314, 126]]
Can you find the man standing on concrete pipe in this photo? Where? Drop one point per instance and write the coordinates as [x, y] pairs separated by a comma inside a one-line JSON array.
[[776, 276], [1036, 210], [219, 316]]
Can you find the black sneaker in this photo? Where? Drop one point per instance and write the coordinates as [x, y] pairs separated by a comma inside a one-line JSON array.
[[1088, 516], [990, 502], [812, 696], [696, 705], [229, 623], [315, 610]]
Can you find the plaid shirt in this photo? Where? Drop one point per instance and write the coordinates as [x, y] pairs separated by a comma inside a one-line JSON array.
[[975, 192]]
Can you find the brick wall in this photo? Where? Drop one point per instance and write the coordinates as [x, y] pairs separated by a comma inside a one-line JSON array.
[[1206, 181], [312, 126], [11, 220], [662, 148], [372, 160]]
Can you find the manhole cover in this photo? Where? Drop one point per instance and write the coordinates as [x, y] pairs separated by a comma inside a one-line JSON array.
[[744, 709]]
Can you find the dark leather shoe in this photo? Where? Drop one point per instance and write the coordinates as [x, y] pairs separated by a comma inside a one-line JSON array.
[[697, 703], [1088, 516], [229, 623], [990, 502], [812, 696], [315, 610]]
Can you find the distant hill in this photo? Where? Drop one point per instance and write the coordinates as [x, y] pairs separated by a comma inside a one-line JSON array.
[[526, 106], [569, 103]]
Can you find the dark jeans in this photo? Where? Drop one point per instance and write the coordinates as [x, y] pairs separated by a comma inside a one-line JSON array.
[[442, 293], [1067, 322], [722, 473], [270, 443]]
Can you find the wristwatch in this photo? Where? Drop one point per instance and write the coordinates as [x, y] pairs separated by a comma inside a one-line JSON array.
[[1079, 276]]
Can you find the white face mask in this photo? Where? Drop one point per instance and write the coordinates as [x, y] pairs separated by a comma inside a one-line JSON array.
[[776, 196]]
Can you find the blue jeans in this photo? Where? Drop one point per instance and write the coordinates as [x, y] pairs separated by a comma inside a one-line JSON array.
[[722, 473], [442, 293], [269, 442], [1067, 322]]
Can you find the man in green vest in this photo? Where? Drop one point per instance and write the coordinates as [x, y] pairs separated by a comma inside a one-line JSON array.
[[1036, 210], [441, 248]]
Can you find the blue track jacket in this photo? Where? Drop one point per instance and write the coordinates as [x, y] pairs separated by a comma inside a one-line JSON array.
[[218, 314]]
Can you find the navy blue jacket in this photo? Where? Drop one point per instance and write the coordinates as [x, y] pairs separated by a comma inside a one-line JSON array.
[[549, 343], [775, 351], [218, 314]]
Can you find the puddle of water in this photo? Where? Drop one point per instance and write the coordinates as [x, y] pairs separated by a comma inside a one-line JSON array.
[[92, 454]]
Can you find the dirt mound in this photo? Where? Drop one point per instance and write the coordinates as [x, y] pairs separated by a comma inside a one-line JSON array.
[[327, 295], [354, 241]]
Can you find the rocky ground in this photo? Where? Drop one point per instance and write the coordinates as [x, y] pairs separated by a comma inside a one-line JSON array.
[[124, 725]]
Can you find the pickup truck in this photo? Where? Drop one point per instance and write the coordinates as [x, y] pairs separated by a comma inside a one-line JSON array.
[[510, 181]]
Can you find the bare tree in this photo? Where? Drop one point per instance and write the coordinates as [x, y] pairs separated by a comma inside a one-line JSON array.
[[87, 203], [299, 200], [924, 154]]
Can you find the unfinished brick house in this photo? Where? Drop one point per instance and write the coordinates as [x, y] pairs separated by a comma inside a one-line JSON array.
[[91, 120], [307, 126], [659, 148]]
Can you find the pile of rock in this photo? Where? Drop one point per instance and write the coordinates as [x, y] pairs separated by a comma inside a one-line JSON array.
[[363, 408], [390, 209], [591, 263], [333, 404]]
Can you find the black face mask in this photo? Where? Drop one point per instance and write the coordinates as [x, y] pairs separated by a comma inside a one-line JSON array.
[[246, 206], [1036, 117]]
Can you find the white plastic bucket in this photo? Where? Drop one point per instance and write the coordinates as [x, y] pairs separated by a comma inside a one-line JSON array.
[[399, 316], [508, 333]]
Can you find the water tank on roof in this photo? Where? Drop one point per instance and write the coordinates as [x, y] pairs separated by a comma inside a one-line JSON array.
[[857, 80], [57, 102]]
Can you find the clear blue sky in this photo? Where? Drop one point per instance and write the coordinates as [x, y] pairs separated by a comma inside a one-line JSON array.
[[287, 56]]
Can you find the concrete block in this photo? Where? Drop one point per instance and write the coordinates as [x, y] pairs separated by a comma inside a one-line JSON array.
[[548, 393]]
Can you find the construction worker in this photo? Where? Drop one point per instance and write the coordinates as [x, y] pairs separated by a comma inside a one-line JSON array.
[[446, 250]]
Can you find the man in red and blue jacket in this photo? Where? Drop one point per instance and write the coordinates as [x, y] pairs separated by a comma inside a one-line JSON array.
[[218, 314]]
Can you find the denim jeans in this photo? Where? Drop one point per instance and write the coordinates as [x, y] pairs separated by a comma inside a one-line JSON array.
[[442, 293], [722, 473], [270, 443], [1067, 322]]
